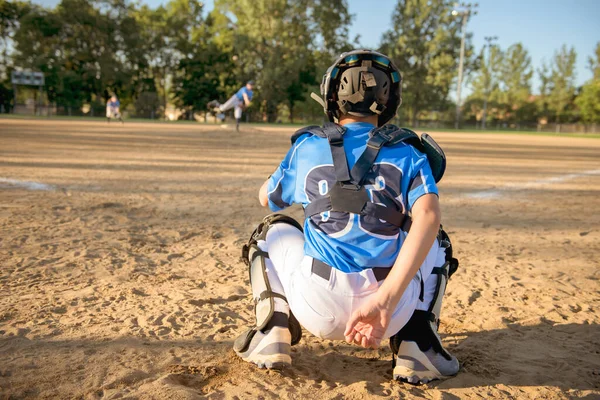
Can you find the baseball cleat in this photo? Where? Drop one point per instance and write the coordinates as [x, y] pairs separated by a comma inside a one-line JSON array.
[[417, 367], [269, 350], [214, 107], [213, 104]]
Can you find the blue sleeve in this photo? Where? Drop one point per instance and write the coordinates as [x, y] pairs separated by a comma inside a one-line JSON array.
[[243, 90], [282, 184], [422, 181]]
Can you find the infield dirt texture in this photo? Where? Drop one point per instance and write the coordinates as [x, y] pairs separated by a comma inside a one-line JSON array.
[[120, 273]]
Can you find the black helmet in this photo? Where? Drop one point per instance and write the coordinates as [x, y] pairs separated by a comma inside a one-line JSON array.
[[361, 83]]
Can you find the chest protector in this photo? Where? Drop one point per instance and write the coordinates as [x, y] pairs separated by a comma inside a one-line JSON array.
[[349, 194]]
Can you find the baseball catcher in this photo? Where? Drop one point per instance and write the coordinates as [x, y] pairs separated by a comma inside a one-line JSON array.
[[370, 261]]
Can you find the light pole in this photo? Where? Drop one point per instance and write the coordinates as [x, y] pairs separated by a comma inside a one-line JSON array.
[[488, 83], [464, 10]]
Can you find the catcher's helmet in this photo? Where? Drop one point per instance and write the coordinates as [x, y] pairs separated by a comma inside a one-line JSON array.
[[361, 83]]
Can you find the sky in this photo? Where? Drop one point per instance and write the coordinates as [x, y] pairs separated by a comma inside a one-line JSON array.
[[542, 26]]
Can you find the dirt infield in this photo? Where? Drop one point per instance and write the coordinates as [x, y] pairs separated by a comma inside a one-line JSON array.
[[120, 274]]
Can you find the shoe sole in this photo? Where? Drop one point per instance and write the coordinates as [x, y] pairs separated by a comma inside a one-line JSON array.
[[413, 366], [275, 361]]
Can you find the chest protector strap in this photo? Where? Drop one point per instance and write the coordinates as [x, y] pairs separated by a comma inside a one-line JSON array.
[[349, 194], [334, 134]]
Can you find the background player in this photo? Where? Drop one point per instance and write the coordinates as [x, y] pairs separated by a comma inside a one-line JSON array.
[[358, 272], [113, 109], [239, 101]]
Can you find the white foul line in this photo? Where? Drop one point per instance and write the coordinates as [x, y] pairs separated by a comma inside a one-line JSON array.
[[497, 192], [4, 182]]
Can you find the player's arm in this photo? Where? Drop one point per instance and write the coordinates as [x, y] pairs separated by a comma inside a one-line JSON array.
[[278, 191], [426, 216], [367, 325], [263, 198], [246, 99]]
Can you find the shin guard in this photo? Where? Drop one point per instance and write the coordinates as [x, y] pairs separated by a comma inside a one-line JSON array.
[[263, 295], [422, 327]]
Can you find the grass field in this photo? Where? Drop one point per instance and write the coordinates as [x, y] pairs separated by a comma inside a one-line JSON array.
[[120, 273], [297, 126]]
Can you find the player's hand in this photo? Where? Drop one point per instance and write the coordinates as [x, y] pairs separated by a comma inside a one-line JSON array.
[[368, 324]]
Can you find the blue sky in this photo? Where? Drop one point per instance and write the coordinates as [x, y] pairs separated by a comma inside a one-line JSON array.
[[543, 26]]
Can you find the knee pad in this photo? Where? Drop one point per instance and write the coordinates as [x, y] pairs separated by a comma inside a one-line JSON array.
[[264, 297], [260, 233], [444, 240]]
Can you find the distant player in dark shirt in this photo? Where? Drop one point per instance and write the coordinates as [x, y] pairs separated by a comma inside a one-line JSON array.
[[112, 109]]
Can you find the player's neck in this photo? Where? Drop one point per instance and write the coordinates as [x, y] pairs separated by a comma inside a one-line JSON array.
[[348, 119]]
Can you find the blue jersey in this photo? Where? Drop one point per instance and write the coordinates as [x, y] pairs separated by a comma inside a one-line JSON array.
[[248, 92], [114, 104], [351, 242]]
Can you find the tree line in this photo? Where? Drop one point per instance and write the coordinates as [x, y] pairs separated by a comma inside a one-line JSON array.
[[183, 55], [503, 83]]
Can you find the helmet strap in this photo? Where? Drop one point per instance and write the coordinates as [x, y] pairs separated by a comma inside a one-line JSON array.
[[318, 99], [377, 108]]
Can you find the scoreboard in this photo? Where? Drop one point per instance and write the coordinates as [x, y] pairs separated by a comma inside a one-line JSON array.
[[27, 78]]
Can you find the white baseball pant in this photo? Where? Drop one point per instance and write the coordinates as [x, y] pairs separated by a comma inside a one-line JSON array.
[[323, 307], [234, 103]]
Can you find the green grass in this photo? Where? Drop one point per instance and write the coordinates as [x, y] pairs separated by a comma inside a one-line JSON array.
[[289, 125], [513, 132], [97, 119]]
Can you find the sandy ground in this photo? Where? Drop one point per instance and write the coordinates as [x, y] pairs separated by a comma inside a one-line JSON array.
[[120, 273]]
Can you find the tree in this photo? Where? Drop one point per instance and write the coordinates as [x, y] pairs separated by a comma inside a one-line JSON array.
[[542, 100], [276, 42], [485, 83], [594, 63], [562, 81], [80, 50], [11, 14], [205, 57], [588, 100], [425, 45], [515, 83], [165, 31], [331, 21]]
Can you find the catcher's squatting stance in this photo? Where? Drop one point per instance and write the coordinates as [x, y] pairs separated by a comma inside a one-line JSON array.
[[371, 261], [239, 101], [113, 109]]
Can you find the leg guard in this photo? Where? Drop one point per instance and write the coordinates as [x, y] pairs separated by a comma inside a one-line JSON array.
[[250, 346], [419, 355], [443, 274]]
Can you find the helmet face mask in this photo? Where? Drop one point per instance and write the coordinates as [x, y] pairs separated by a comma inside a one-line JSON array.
[[361, 83]]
